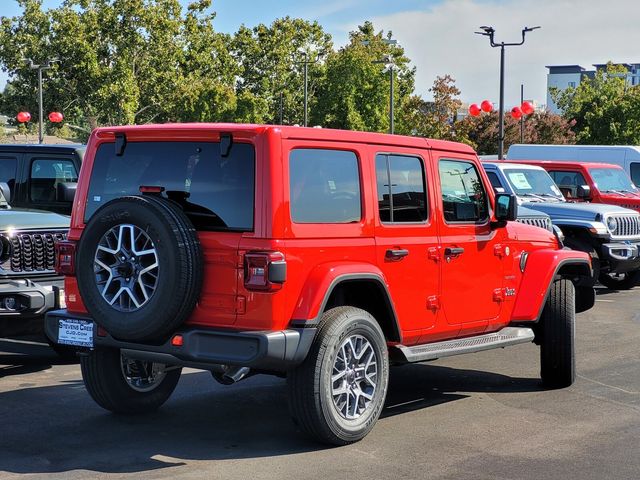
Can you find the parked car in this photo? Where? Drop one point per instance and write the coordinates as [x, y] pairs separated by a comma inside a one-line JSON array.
[[37, 185], [626, 156], [592, 182], [609, 234], [319, 255]]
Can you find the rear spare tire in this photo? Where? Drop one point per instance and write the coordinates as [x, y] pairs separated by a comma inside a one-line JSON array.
[[139, 267]]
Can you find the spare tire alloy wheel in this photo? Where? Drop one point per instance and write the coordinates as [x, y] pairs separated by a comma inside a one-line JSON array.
[[126, 267], [354, 377]]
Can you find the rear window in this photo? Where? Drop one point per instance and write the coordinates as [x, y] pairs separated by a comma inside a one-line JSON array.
[[216, 193]]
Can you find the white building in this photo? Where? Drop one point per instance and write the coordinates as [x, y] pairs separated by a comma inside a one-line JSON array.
[[566, 76]]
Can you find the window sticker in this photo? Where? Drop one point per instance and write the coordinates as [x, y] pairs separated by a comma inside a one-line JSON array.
[[519, 181]]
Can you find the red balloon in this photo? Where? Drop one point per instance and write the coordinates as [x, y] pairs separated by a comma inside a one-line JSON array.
[[23, 117], [516, 112], [56, 117], [486, 106], [527, 108], [474, 110]]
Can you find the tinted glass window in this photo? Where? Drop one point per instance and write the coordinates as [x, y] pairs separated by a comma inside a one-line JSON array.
[[495, 182], [401, 192], [216, 193], [612, 179], [567, 179], [46, 174], [8, 167], [324, 186], [463, 195], [635, 173]]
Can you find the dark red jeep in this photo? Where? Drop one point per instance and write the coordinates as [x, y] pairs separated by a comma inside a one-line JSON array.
[[319, 255]]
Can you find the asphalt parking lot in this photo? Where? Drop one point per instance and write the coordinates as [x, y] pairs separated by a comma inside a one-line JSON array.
[[480, 416]]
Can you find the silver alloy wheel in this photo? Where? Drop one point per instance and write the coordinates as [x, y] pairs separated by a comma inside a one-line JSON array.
[[126, 267], [354, 377], [142, 375]]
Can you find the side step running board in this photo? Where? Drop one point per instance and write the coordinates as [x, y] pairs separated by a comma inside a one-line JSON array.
[[430, 351]]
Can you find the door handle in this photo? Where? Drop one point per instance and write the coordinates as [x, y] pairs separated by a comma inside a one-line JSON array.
[[453, 251], [396, 254]]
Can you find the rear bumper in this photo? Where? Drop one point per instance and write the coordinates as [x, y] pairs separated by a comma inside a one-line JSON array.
[[207, 348]]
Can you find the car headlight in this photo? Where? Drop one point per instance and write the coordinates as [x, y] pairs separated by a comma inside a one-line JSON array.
[[612, 224]]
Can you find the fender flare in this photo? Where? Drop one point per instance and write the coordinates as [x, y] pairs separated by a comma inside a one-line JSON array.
[[323, 280], [542, 267]]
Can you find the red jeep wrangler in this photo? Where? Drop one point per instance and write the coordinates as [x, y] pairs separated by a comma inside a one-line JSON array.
[[591, 182], [319, 255]]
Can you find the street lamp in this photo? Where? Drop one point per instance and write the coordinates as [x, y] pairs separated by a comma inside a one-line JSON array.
[[389, 63], [44, 66], [490, 32], [306, 62]]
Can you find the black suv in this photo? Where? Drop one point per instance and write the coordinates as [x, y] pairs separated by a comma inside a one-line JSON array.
[[37, 186]]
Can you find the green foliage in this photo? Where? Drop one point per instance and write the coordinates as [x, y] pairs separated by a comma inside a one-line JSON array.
[[539, 128], [605, 110], [355, 94]]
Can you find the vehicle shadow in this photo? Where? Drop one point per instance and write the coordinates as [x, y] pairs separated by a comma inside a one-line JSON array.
[[58, 428], [18, 358]]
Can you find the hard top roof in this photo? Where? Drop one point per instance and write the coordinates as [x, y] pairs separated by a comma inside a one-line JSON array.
[[41, 148], [571, 163], [299, 133], [502, 165]]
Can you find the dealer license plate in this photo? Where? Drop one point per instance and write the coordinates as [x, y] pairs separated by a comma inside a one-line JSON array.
[[75, 332]]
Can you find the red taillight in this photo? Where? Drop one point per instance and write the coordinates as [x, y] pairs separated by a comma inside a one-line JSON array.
[[65, 261], [265, 271]]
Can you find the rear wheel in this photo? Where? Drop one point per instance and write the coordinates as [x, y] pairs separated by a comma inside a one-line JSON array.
[[556, 332], [125, 385], [620, 281], [336, 395]]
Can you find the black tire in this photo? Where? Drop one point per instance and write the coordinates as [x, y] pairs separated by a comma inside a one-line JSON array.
[[310, 387], [557, 336], [180, 264], [104, 379], [623, 281], [583, 245]]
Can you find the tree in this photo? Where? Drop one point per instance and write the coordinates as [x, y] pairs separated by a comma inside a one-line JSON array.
[[435, 119], [605, 109], [355, 94], [540, 128], [121, 61], [270, 65]]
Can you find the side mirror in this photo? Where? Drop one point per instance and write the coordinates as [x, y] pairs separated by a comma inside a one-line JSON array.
[[583, 191], [66, 192], [6, 191], [506, 207]]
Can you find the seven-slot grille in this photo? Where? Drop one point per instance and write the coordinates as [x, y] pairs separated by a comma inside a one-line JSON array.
[[628, 226], [31, 252], [542, 222]]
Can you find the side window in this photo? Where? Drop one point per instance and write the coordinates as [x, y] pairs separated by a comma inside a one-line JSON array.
[[463, 196], [495, 182], [401, 192], [635, 173], [568, 182], [324, 186], [8, 166], [46, 174]]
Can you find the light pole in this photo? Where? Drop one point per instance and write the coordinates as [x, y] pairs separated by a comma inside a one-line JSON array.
[[490, 32], [306, 62], [44, 66], [390, 64]]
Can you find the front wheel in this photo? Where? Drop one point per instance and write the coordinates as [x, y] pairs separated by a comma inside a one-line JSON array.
[[125, 385], [620, 281], [557, 336], [336, 395]]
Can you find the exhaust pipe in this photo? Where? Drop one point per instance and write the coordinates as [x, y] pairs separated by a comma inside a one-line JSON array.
[[230, 374]]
